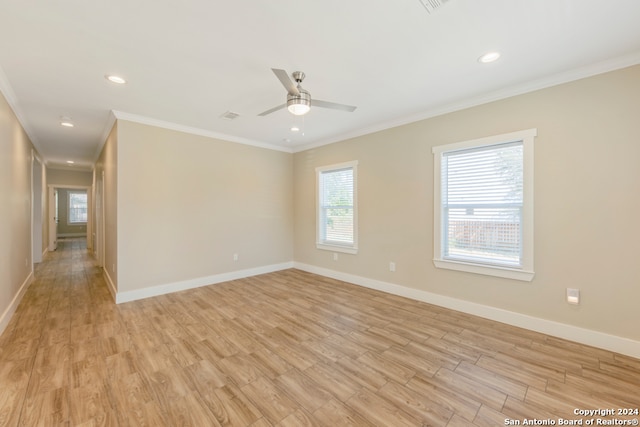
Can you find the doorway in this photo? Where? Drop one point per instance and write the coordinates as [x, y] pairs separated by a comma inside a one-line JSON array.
[[69, 213]]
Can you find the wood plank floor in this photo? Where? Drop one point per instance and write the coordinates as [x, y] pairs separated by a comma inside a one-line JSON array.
[[283, 349]]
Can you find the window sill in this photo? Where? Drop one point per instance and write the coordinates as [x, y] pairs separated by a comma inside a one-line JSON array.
[[337, 248], [487, 270]]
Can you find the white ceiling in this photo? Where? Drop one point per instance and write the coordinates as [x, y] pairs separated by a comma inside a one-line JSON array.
[[189, 62]]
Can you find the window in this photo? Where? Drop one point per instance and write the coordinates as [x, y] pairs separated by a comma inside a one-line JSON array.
[[337, 208], [77, 207], [483, 205]]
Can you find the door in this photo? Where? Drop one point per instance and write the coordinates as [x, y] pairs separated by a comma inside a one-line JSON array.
[[36, 210], [99, 226], [53, 219]]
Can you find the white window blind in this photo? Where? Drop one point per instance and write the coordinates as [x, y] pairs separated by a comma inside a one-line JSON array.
[[482, 204], [77, 208], [337, 207]]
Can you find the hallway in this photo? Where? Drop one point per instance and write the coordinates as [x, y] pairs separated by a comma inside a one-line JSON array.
[[64, 329]]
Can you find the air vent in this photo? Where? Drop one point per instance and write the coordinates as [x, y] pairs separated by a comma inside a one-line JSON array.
[[433, 5], [230, 115]]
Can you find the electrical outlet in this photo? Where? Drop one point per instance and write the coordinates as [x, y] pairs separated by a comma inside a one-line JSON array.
[[235, 257], [335, 256], [392, 266]]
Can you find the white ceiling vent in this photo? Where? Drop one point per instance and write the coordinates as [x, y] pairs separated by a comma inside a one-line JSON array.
[[230, 115], [433, 5]]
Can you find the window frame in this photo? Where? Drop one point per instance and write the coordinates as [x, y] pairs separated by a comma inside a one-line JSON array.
[[322, 243], [525, 272], [69, 208]]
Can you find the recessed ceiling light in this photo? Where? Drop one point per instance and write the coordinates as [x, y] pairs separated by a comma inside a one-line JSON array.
[[66, 122], [489, 57], [70, 162], [295, 129], [115, 79]]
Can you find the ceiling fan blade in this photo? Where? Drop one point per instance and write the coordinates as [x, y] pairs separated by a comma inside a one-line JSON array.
[[333, 105], [274, 109], [289, 85]]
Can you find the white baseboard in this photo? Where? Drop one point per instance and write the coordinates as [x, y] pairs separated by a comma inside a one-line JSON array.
[[561, 330], [168, 288], [8, 313], [110, 284]]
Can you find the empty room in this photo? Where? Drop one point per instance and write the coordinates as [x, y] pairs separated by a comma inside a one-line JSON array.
[[296, 213]]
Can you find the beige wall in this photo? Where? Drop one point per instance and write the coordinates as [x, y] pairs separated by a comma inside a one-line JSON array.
[[69, 177], [187, 203], [15, 210], [587, 186]]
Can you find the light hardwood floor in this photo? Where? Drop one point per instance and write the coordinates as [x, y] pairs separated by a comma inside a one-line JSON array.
[[283, 349]]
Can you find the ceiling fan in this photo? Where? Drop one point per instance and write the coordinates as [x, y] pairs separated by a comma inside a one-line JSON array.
[[299, 101]]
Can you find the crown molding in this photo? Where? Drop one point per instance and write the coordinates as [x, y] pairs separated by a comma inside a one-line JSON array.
[[601, 67], [120, 115]]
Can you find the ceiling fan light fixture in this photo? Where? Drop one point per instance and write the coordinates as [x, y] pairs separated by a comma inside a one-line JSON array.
[[298, 109], [299, 105]]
